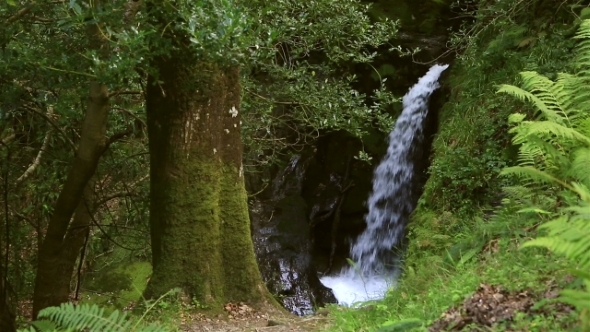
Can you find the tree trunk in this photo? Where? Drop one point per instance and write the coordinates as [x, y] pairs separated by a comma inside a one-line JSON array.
[[54, 254], [200, 228], [7, 304], [62, 242]]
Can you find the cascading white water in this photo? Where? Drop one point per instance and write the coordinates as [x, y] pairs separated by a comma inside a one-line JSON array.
[[373, 252]]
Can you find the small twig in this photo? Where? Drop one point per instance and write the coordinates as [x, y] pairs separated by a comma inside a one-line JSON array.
[[42, 19], [118, 93], [120, 194], [80, 264], [128, 112]]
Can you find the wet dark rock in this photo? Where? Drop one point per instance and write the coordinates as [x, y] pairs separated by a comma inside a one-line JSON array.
[[282, 243]]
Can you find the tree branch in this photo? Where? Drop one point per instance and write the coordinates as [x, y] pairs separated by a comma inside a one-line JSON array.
[[115, 137], [52, 123], [8, 139], [37, 160], [42, 151], [19, 14], [118, 93]]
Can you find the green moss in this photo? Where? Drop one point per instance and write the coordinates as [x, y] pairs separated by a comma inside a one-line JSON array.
[[119, 285], [209, 251]]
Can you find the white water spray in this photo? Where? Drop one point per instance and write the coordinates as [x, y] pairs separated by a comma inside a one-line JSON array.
[[376, 262]]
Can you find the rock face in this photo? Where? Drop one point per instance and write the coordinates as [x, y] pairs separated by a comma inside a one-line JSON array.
[[283, 244]]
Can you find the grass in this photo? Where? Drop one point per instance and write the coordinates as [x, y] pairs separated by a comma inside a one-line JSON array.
[[434, 285]]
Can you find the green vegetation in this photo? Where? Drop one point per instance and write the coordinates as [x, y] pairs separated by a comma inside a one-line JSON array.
[[491, 186], [82, 82], [118, 286], [70, 318]]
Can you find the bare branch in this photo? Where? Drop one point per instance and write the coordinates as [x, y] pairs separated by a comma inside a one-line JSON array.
[[118, 93], [128, 112], [115, 137], [8, 139], [116, 195], [52, 123], [19, 14], [37, 160]]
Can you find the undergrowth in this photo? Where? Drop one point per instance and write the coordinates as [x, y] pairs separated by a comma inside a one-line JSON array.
[[432, 284], [464, 231]]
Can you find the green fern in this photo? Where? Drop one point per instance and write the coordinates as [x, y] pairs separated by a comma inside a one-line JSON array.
[[554, 153], [86, 316], [70, 318]]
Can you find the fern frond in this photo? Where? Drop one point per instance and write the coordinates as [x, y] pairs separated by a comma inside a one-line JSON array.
[[532, 173], [579, 166], [547, 107], [86, 317], [548, 129], [555, 149], [46, 326]]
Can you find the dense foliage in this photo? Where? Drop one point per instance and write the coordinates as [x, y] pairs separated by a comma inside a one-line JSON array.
[[474, 224], [297, 82], [501, 166]]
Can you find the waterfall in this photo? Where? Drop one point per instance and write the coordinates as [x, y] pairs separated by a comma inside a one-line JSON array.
[[374, 252]]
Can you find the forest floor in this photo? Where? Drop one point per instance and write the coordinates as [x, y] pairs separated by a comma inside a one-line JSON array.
[[242, 318]]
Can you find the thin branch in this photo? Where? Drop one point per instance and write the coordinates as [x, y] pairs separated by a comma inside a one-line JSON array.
[[42, 19], [67, 71], [19, 14], [274, 101], [128, 112], [118, 93], [52, 123], [117, 136], [8, 139], [110, 197], [37, 160]]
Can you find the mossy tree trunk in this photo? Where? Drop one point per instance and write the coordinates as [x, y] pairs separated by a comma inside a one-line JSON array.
[[200, 227]]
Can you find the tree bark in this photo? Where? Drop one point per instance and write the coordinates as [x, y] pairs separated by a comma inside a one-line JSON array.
[[7, 305], [63, 240], [200, 228], [53, 254]]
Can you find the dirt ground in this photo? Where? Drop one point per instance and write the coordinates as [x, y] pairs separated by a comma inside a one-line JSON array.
[[240, 317]]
